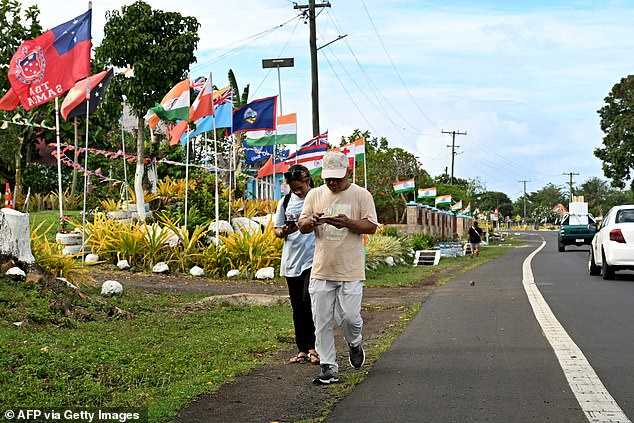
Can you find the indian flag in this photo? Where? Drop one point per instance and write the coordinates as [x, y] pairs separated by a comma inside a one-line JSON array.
[[173, 107], [443, 199], [457, 206], [403, 186], [427, 192], [286, 133], [467, 209]]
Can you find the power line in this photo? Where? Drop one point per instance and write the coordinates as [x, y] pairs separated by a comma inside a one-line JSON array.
[[453, 148]]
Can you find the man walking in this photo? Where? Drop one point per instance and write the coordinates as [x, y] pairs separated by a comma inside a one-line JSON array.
[[475, 238], [340, 213]]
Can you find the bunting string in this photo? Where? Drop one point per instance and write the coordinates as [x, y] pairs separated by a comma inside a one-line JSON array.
[[19, 120]]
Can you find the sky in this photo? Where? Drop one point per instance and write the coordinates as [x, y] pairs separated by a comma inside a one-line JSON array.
[[523, 79]]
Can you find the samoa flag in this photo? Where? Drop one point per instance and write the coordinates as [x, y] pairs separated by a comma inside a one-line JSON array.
[[49, 65]]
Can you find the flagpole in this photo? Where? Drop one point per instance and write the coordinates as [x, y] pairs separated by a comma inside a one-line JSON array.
[[217, 200], [354, 163], [83, 218], [59, 159], [187, 146]]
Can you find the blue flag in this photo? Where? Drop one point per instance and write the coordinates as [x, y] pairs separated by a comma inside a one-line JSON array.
[[255, 154], [260, 114], [222, 114]]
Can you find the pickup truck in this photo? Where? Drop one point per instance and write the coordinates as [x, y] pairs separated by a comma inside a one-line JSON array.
[[577, 227]]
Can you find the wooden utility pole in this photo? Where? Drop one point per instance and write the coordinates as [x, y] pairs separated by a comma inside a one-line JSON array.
[[313, 59], [453, 148]]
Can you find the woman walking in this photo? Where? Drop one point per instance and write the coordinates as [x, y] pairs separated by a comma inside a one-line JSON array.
[[297, 260]]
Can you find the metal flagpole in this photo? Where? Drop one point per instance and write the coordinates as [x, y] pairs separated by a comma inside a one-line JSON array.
[[83, 217], [187, 146], [59, 159]]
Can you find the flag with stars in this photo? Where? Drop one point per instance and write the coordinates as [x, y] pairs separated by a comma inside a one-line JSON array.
[[75, 102], [47, 66]]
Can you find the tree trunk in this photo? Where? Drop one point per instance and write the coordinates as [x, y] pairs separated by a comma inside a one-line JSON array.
[[138, 174], [15, 235]]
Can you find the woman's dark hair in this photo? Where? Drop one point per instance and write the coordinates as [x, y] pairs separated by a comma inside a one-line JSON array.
[[299, 173]]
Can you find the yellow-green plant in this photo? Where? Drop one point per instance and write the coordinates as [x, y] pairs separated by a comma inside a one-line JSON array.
[[116, 239], [48, 255], [379, 247], [110, 204], [173, 188], [147, 196], [189, 250], [155, 244], [244, 250]]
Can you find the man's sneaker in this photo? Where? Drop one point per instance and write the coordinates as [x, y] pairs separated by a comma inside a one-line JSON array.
[[327, 376], [357, 356]]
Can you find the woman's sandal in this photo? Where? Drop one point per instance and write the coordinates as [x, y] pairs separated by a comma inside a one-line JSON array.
[[314, 358], [300, 358]]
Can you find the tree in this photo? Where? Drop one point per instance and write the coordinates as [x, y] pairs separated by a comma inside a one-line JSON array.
[[160, 47], [617, 122], [490, 200], [595, 192]]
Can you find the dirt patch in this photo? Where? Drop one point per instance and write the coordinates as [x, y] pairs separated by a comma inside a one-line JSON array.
[[278, 391]]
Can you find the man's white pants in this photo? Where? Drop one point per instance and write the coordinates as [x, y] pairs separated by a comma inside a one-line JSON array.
[[341, 301]]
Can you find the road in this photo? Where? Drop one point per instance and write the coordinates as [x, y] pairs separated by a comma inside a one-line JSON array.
[[529, 337]]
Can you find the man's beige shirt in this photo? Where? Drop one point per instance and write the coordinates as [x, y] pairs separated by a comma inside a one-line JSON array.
[[339, 254]]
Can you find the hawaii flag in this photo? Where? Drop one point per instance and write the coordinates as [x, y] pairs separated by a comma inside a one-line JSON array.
[[443, 199], [286, 132], [457, 206], [427, 192], [403, 186], [173, 107]]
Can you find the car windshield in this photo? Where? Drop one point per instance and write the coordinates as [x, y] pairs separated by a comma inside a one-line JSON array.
[[625, 216]]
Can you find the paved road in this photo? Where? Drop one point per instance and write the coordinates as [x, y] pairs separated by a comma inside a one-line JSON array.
[[477, 352]]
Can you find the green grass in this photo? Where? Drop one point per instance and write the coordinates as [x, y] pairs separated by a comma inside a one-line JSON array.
[[169, 353], [51, 217], [405, 275]]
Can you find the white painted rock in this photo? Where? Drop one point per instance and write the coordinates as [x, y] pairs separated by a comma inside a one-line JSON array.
[[196, 271], [68, 284], [265, 273], [263, 220], [111, 288], [244, 223], [91, 258], [16, 271], [123, 264], [160, 267], [231, 274], [223, 226], [389, 261]]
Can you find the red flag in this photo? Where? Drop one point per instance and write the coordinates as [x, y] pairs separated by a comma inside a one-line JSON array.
[[48, 66], [202, 105], [10, 100], [75, 102]]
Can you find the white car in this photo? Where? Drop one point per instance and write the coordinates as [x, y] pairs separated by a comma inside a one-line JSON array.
[[612, 247]]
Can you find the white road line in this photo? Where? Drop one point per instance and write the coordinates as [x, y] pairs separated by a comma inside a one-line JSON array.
[[595, 401]]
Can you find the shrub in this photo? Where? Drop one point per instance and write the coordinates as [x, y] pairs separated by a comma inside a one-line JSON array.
[[422, 241], [379, 247]]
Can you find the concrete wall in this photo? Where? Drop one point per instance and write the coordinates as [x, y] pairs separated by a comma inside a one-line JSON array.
[[434, 222]]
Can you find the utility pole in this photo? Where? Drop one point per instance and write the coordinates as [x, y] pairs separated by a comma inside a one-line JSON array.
[[313, 59], [453, 148], [571, 175], [524, 196]]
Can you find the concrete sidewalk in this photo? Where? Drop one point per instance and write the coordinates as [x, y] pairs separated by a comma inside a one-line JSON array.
[[473, 353]]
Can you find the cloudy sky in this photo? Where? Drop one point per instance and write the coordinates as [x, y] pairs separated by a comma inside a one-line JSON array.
[[523, 79]]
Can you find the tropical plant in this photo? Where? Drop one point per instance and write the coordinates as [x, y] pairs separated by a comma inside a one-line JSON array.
[[379, 247], [422, 241], [244, 250], [189, 250], [49, 256]]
